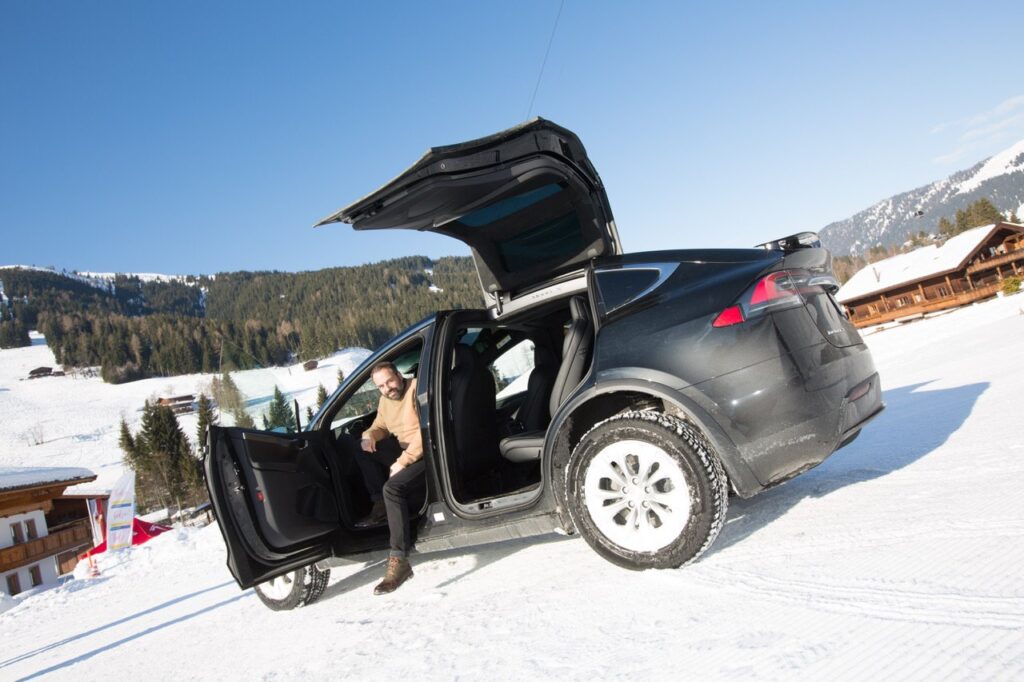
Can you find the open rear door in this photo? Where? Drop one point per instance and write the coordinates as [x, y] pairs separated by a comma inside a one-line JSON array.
[[274, 499], [527, 201]]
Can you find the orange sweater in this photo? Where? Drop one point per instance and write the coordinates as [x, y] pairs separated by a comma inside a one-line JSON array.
[[399, 418]]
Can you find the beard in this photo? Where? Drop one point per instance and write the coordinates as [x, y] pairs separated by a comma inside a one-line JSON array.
[[395, 393]]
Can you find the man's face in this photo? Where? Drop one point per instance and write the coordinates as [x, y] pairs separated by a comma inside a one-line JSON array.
[[390, 384]]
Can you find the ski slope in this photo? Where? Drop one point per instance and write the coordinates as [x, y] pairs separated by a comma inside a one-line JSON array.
[[900, 557]]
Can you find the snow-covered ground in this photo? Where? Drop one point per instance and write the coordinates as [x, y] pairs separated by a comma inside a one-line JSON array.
[[901, 557], [73, 421]]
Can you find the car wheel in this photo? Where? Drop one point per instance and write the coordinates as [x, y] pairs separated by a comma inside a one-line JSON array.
[[290, 591], [646, 490]]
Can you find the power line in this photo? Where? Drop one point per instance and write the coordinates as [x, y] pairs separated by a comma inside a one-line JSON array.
[[536, 87]]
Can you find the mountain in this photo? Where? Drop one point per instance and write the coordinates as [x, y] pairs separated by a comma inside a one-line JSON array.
[[891, 221]]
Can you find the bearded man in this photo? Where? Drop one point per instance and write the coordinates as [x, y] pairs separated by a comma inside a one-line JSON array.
[[391, 460]]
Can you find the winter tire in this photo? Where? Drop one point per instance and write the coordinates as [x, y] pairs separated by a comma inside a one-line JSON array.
[[290, 591], [646, 490]]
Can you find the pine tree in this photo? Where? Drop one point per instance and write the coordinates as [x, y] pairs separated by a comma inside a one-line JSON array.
[[1013, 218], [321, 396], [206, 417], [279, 415], [946, 228]]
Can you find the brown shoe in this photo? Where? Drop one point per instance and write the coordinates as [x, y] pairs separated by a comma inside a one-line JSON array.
[[398, 572]]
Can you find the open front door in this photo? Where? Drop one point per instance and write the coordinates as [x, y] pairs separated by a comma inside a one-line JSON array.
[[274, 498]]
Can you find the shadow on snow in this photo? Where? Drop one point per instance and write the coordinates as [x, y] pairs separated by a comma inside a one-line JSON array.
[[914, 424]]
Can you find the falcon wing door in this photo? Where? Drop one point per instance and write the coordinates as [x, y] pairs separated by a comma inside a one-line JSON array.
[[527, 201]]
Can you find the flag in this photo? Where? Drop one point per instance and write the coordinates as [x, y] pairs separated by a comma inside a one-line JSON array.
[[121, 512]]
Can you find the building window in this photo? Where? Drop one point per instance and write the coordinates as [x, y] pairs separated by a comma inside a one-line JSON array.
[[17, 533], [30, 527], [36, 575], [13, 586]]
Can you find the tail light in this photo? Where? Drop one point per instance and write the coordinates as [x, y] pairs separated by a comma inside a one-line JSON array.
[[774, 291]]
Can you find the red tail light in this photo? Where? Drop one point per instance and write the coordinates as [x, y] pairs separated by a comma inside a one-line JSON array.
[[728, 317], [773, 287], [773, 291]]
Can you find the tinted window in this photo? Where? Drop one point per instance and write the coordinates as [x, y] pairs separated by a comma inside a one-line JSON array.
[[551, 242], [619, 287], [506, 207]]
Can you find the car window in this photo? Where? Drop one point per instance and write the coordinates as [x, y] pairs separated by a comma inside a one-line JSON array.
[[512, 369], [365, 399]]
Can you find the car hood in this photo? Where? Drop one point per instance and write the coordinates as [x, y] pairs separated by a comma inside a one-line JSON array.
[[526, 200]]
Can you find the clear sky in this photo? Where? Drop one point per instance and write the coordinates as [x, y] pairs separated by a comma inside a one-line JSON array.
[[201, 137]]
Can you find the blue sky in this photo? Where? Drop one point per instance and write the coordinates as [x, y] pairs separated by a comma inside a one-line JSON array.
[[199, 137]]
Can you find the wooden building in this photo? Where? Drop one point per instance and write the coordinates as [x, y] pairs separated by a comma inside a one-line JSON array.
[[179, 404], [966, 268], [41, 530]]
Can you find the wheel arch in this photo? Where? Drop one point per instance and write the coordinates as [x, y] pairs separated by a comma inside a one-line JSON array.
[[600, 401]]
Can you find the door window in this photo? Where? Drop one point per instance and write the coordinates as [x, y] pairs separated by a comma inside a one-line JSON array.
[[36, 575], [512, 369], [17, 533], [364, 401], [30, 527], [13, 586]]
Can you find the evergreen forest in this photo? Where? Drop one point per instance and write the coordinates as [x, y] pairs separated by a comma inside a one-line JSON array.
[[134, 329]]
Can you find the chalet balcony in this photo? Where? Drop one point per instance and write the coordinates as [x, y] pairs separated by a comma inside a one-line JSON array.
[[927, 306], [995, 261], [63, 538]]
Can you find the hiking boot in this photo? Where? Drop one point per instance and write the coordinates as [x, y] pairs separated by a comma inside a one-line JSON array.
[[398, 572], [378, 515]]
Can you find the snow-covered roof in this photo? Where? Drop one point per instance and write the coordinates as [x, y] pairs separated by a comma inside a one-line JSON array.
[[917, 264], [12, 478]]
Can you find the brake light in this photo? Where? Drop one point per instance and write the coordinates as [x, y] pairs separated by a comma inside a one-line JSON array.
[[728, 317], [771, 288], [774, 291]]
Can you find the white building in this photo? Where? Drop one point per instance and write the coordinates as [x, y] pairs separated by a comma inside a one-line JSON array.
[[41, 532]]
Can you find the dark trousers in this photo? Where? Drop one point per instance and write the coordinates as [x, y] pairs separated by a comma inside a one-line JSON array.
[[399, 492]]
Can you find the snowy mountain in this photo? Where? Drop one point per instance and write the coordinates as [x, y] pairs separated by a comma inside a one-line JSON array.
[[891, 221]]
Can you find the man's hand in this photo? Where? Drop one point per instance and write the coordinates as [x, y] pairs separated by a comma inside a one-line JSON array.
[[368, 445], [396, 467]]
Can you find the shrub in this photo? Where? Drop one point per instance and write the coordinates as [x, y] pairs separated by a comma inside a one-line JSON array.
[[1011, 285]]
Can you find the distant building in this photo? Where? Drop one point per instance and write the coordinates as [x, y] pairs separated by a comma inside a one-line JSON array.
[[966, 268], [40, 372], [179, 404], [310, 365], [41, 530]]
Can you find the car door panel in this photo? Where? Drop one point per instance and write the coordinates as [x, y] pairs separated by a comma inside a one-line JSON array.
[[274, 498]]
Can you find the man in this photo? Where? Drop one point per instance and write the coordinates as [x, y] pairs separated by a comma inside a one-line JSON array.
[[391, 460]]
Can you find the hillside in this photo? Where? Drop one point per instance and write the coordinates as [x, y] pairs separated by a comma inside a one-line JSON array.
[[898, 558], [143, 326], [892, 221]]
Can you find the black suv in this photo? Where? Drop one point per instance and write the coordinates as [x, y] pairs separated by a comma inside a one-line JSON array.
[[651, 384]]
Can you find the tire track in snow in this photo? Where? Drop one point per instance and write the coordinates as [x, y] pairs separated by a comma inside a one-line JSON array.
[[890, 603]]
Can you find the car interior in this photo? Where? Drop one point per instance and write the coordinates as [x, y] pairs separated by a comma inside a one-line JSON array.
[[506, 380]]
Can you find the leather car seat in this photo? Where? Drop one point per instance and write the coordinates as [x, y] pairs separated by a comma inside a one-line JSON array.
[[473, 415], [576, 345]]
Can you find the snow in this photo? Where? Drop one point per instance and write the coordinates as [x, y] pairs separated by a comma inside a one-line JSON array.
[[1003, 163], [24, 477], [900, 557], [913, 265], [73, 421]]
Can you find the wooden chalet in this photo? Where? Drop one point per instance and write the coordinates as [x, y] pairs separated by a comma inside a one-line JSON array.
[[41, 530], [179, 404], [966, 268]]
